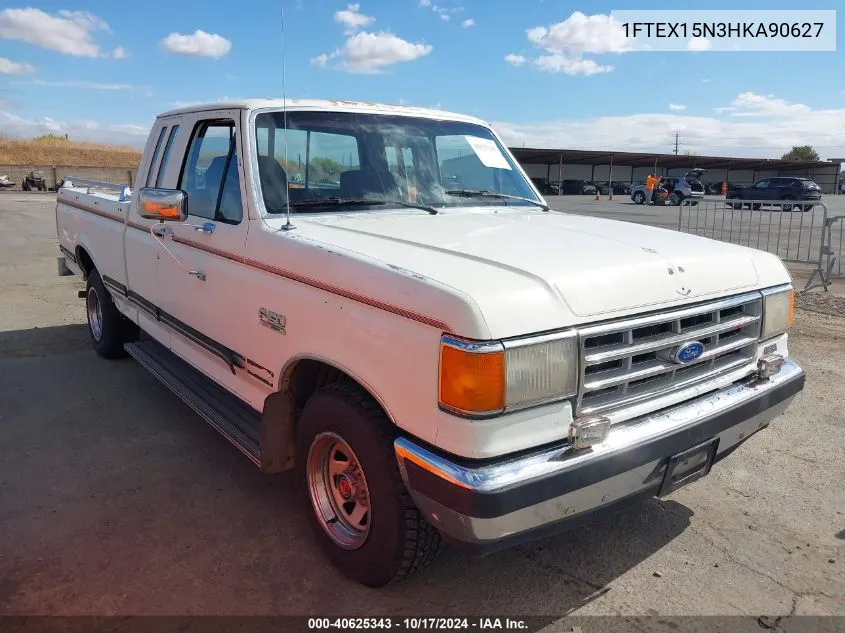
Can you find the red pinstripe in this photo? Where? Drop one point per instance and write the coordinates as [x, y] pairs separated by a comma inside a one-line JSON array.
[[309, 281]]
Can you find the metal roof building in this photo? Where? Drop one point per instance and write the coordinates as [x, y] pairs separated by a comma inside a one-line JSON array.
[[602, 166]]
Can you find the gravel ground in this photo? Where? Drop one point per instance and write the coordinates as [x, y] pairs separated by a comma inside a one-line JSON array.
[[116, 499]]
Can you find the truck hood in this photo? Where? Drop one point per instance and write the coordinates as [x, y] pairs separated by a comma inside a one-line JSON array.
[[568, 268]]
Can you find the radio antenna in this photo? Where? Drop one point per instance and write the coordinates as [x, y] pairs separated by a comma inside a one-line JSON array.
[[288, 226]]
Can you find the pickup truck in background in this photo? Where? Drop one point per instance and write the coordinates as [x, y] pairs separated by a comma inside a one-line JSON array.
[[379, 298]]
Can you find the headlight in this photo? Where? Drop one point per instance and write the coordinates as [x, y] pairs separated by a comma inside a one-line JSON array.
[[778, 308], [478, 379]]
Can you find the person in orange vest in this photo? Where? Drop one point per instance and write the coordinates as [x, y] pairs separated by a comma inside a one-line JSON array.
[[650, 182]]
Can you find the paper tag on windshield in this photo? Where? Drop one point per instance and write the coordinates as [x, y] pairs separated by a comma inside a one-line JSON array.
[[487, 152]]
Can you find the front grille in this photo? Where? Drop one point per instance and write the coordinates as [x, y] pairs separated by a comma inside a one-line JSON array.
[[628, 361]]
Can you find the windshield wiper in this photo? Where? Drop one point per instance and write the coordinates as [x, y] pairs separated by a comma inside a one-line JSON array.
[[483, 193], [362, 202]]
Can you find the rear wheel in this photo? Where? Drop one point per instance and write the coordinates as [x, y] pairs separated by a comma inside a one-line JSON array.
[[675, 198], [26, 186], [359, 509]]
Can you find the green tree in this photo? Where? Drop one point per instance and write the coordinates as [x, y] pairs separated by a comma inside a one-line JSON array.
[[324, 170], [801, 152]]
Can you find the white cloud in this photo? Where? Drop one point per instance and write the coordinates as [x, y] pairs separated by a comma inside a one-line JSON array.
[[8, 67], [369, 53], [775, 128], [119, 53], [699, 44], [445, 12], [121, 133], [352, 19], [580, 34], [515, 60], [705, 80], [68, 32], [321, 61], [558, 62], [200, 44], [677, 107], [749, 104], [468, 23], [93, 85], [565, 43]]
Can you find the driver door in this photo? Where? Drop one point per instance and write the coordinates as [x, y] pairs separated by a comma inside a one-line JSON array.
[[204, 271]]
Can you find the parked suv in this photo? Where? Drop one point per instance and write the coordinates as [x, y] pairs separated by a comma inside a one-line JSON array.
[[578, 187], [780, 188], [679, 188], [545, 186]]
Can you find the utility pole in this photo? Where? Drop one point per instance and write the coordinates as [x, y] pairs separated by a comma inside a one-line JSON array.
[[676, 143]]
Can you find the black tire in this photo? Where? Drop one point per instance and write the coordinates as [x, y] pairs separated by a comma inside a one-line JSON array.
[[675, 199], [808, 207], [400, 542], [26, 186], [639, 197], [114, 330], [786, 206]]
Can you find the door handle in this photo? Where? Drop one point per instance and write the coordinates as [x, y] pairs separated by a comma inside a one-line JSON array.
[[208, 227], [198, 274]]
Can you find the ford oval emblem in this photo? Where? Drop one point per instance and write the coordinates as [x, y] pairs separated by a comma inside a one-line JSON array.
[[688, 352]]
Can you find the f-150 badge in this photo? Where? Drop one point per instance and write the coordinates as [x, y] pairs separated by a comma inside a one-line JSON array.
[[272, 320]]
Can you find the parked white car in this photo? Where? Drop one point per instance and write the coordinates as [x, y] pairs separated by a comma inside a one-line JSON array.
[[435, 360], [678, 189]]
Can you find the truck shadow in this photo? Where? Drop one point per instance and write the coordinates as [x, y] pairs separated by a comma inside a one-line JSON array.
[[139, 505]]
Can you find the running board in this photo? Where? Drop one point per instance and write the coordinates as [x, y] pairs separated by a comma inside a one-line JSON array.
[[227, 414]]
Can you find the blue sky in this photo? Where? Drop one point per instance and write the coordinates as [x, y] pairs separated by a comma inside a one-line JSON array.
[[102, 70]]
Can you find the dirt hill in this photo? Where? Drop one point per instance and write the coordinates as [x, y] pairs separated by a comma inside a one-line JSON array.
[[57, 150]]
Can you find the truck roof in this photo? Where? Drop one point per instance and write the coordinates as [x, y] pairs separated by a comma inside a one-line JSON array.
[[336, 105]]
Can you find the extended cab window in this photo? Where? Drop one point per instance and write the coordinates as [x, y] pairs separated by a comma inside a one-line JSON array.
[[162, 168], [152, 165], [210, 174]]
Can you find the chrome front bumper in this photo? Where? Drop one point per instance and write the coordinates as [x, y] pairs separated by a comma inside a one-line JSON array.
[[492, 504]]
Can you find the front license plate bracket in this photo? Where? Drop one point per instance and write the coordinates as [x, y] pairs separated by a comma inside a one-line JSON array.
[[689, 466]]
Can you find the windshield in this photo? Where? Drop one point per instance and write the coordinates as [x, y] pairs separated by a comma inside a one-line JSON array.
[[340, 156]]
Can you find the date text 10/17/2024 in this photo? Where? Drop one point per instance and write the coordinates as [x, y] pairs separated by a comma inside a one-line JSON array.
[[417, 624]]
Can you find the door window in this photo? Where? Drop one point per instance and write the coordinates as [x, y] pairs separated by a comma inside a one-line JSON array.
[[210, 174]]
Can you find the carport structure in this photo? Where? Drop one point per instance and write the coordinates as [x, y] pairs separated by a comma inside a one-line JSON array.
[[611, 166]]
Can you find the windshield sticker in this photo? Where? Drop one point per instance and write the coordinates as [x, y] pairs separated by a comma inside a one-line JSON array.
[[487, 152]]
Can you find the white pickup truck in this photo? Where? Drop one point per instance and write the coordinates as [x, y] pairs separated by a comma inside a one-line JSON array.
[[379, 298]]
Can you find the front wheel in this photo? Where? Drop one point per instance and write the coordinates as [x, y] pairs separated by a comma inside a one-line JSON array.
[[358, 507], [639, 197], [786, 207]]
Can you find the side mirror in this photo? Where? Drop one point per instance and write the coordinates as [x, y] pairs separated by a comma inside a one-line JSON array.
[[162, 204]]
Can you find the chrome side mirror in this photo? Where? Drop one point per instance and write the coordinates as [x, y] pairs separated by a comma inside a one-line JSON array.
[[162, 204]]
